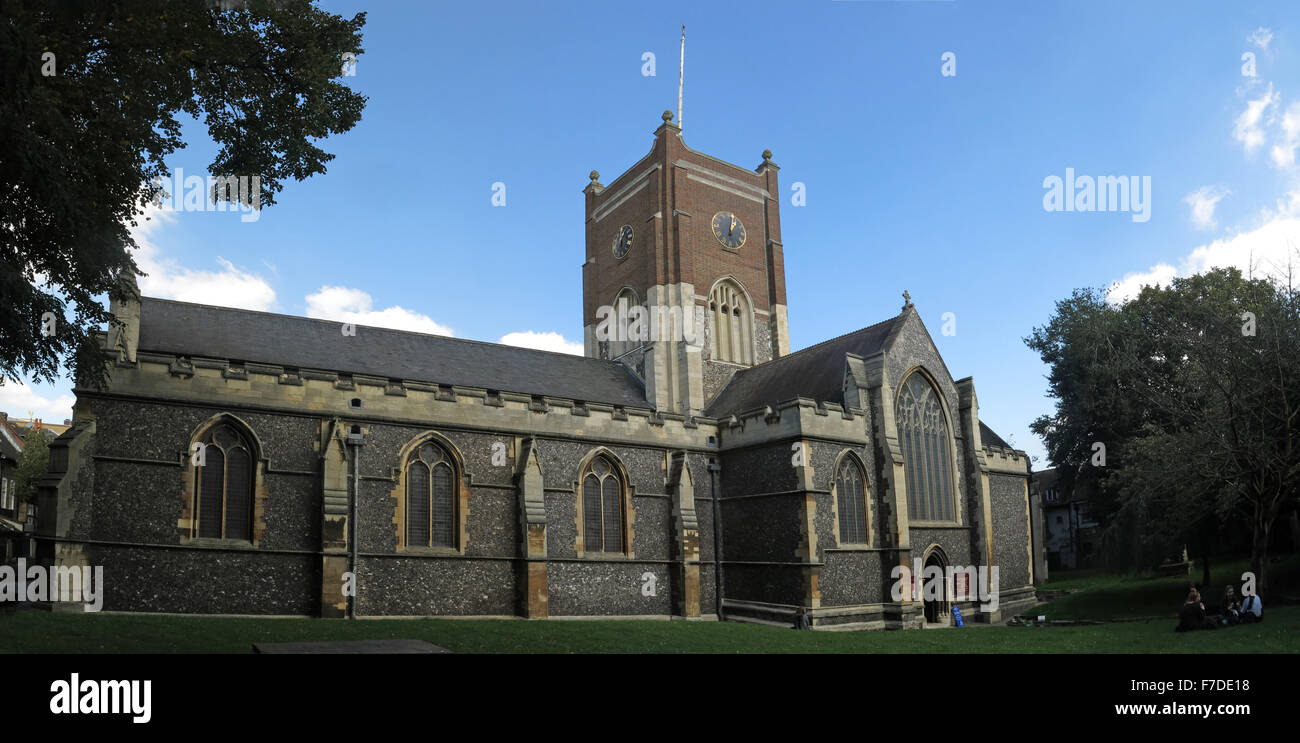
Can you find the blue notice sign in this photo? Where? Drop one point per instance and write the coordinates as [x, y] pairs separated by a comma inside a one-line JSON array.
[[956, 615]]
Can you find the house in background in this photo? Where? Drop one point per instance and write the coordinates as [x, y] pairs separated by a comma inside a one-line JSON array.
[[1070, 532], [18, 519], [11, 449]]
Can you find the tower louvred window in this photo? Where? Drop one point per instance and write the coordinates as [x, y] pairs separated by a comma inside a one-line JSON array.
[[732, 321]]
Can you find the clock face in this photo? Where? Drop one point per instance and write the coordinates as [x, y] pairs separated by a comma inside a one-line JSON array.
[[622, 241], [728, 229]]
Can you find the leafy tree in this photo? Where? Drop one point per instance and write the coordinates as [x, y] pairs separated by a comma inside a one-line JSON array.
[[32, 465], [1202, 401], [82, 149]]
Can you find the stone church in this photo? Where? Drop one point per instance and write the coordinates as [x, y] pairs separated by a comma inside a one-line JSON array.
[[245, 462]]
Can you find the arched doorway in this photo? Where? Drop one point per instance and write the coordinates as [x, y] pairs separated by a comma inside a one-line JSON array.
[[936, 596]]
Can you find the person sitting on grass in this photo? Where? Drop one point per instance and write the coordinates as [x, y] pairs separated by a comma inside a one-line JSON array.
[[1192, 616], [1230, 612], [801, 620], [1252, 609]]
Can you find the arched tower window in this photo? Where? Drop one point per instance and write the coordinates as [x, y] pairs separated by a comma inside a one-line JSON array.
[[603, 498], [927, 451], [624, 301], [732, 319], [430, 498], [851, 498], [223, 484]]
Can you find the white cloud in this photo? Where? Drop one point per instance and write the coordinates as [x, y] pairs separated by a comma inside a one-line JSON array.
[[1283, 153], [1202, 202], [550, 341], [1247, 129], [1263, 252], [229, 287], [1128, 287], [355, 306], [20, 400], [1261, 38]]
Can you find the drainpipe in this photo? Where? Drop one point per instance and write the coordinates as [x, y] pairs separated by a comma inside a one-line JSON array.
[[715, 491], [355, 440]]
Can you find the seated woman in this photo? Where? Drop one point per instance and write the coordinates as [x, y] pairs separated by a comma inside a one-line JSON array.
[[1192, 616], [1229, 613]]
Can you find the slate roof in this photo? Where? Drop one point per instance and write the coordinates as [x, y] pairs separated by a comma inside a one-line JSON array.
[[186, 329], [989, 438], [8, 450], [816, 372]]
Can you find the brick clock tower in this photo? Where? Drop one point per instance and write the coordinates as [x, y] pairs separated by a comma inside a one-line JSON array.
[[696, 242]]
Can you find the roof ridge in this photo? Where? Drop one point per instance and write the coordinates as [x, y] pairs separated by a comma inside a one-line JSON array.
[[822, 343], [380, 328]]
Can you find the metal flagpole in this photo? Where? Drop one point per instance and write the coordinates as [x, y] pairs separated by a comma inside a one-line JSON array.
[[681, 74]]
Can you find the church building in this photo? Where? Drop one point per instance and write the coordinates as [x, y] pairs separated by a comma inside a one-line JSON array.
[[689, 465]]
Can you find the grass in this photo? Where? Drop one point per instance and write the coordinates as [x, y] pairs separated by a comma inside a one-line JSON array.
[[1096, 596], [1102, 596], [41, 632]]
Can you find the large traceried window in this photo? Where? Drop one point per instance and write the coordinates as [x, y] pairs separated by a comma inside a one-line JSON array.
[[732, 320], [224, 485], [927, 451], [430, 498], [602, 507], [851, 498]]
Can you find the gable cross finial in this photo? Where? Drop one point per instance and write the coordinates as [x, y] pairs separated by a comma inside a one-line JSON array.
[[907, 299]]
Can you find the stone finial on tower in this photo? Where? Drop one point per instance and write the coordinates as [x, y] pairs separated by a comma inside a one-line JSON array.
[[767, 163], [667, 116], [595, 185]]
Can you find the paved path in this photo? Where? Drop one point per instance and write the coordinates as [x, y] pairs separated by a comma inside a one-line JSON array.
[[364, 647]]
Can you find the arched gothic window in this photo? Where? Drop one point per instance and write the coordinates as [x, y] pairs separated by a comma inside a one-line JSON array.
[[927, 451], [223, 484], [430, 498], [851, 497], [602, 507], [732, 319]]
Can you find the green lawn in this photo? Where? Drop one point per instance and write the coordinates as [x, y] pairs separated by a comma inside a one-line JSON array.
[[1102, 596], [1097, 596], [32, 631]]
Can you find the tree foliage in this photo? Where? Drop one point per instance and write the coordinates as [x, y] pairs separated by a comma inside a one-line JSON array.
[[82, 150], [32, 464], [1194, 389]]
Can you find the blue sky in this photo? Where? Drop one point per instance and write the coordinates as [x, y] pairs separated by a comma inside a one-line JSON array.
[[914, 180]]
